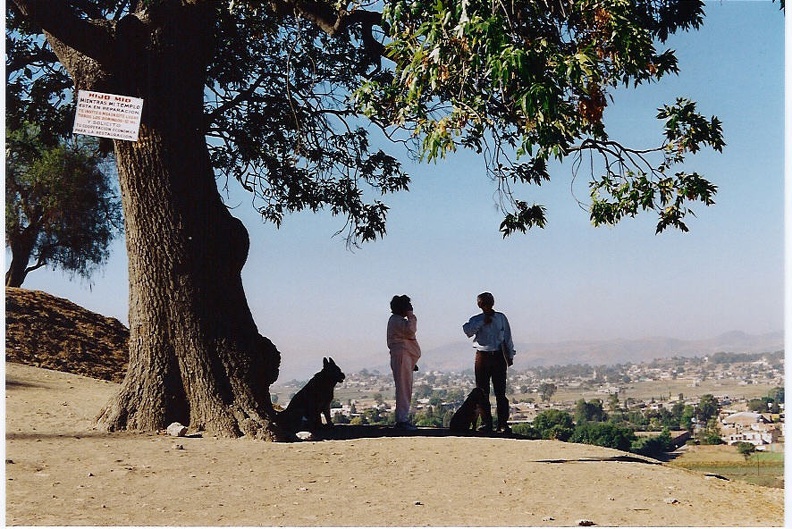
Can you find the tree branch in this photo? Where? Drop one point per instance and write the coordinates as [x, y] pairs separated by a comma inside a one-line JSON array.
[[58, 20], [334, 22]]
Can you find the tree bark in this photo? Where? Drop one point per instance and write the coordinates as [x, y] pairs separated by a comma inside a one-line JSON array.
[[22, 244], [195, 354]]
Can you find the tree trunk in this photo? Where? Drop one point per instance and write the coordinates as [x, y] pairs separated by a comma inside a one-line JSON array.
[[22, 244], [195, 354]]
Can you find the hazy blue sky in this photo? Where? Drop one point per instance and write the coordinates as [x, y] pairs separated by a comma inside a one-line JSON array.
[[314, 298]]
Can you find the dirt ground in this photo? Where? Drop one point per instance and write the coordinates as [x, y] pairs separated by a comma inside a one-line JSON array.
[[61, 472]]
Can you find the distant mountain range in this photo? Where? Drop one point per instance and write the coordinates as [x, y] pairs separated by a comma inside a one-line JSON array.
[[458, 356]]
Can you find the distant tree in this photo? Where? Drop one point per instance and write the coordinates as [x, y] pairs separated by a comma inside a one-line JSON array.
[[455, 395], [422, 391], [710, 434], [374, 416], [603, 434], [654, 446], [745, 449], [757, 405], [777, 394], [547, 390], [613, 402], [687, 416], [707, 408], [554, 424], [62, 210], [589, 411], [677, 409], [447, 418], [378, 398], [526, 430]]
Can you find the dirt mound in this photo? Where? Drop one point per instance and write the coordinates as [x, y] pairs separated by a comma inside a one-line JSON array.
[[50, 332]]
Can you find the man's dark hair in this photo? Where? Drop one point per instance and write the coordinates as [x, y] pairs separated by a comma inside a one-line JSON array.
[[487, 298]]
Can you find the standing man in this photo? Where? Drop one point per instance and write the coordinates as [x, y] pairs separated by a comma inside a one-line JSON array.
[[494, 353], [405, 352]]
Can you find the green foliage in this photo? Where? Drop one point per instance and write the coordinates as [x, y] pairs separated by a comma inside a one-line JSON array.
[[707, 408], [62, 210], [530, 81], [554, 424], [375, 416], [654, 446], [710, 435], [283, 127], [745, 449], [547, 390], [603, 434], [522, 83], [431, 416], [591, 411], [757, 405], [277, 120], [340, 418], [526, 430]]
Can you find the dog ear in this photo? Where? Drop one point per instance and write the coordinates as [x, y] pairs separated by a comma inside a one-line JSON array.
[[324, 362], [330, 361]]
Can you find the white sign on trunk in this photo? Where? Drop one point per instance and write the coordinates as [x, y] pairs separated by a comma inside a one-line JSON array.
[[108, 115]]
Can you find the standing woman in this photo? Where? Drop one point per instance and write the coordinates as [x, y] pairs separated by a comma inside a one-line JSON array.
[[405, 352]]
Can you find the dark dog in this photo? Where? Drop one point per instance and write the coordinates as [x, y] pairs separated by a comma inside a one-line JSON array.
[[471, 410], [312, 401]]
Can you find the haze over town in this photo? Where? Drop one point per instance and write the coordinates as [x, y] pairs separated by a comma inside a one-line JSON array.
[[314, 297]]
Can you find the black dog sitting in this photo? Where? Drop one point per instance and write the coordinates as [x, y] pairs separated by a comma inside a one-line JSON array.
[[471, 410], [312, 401]]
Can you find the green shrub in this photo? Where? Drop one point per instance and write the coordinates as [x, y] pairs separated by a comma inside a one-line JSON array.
[[604, 434]]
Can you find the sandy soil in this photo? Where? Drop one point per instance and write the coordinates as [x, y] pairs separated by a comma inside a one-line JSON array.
[[61, 472]]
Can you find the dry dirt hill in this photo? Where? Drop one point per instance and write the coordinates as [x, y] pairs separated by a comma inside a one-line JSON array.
[[46, 331], [60, 471]]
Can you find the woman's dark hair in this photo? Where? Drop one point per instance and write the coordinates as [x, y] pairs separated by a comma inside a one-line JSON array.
[[400, 304]]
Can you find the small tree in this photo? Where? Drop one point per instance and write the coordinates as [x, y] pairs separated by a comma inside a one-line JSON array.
[[710, 435], [547, 390], [554, 424], [591, 411], [707, 408], [613, 402], [61, 209], [604, 434], [745, 449], [654, 446]]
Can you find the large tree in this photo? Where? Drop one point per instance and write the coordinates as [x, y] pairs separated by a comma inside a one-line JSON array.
[[275, 94]]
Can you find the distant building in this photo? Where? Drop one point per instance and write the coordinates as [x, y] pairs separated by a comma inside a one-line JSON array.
[[749, 427]]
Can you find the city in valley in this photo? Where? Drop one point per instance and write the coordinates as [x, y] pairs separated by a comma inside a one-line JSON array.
[[744, 391]]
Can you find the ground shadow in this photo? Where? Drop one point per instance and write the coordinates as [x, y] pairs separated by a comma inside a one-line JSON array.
[[346, 432]]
